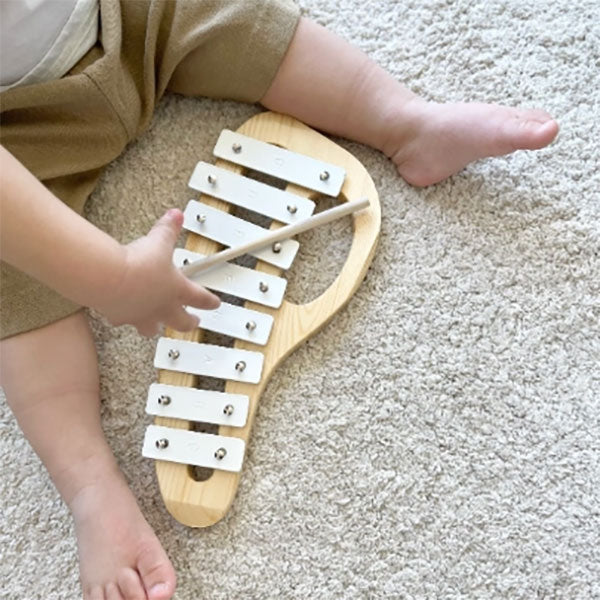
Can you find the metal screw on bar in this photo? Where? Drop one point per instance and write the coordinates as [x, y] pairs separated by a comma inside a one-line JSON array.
[[164, 400], [162, 443], [186, 261], [276, 247], [292, 208], [251, 325], [201, 218], [237, 148], [240, 366], [173, 354], [220, 454], [228, 410], [263, 287], [212, 179], [324, 176]]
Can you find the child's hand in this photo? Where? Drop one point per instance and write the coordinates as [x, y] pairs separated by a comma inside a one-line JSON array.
[[136, 284], [152, 290]]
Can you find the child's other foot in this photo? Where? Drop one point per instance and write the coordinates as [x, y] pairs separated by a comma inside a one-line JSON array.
[[444, 138], [120, 557]]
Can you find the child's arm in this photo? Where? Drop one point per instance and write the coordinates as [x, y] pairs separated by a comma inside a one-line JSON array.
[[136, 284]]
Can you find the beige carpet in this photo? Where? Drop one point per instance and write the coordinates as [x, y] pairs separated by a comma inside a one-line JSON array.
[[440, 438]]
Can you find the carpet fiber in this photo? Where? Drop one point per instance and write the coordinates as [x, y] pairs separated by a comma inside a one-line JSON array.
[[440, 437]]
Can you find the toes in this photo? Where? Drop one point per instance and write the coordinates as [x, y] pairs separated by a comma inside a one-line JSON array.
[[544, 134], [521, 129], [533, 134], [94, 593], [158, 576], [130, 585], [526, 114], [111, 592]]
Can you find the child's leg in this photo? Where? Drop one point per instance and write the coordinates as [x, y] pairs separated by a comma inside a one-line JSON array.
[[327, 83], [51, 382]]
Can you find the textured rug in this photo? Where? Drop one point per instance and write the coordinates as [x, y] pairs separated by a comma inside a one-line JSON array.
[[440, 437]]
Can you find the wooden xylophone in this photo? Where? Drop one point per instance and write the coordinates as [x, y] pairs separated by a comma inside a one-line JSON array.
[[199, 435]]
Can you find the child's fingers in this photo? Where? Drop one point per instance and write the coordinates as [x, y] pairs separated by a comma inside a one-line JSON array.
[[167, 228], [148, 328], [198, 297], [180, 320]]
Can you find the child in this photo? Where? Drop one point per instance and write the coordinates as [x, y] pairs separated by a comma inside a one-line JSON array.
[[63, 131]]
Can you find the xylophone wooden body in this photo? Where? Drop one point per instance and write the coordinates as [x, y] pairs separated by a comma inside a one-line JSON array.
[[203, 503]]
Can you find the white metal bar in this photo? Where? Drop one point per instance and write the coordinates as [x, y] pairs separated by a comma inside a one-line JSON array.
[[236, 280], [202, 406], [250, 194], [297, 168], [194, 448], [236, 321], [229, 230], [208, 360]]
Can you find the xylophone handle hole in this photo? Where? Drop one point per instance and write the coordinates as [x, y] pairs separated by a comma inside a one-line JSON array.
[[323, 251], [200, 473]]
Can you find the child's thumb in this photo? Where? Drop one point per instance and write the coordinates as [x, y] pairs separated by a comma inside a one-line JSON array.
[[167, 228]]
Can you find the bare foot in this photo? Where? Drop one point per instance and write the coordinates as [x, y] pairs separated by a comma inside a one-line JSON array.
[[444, 138], [120, 557]]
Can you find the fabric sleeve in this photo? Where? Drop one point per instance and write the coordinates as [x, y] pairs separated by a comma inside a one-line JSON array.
[[237, 50]]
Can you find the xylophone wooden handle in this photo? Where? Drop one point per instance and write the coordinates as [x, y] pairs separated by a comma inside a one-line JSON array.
[[202, 503]]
